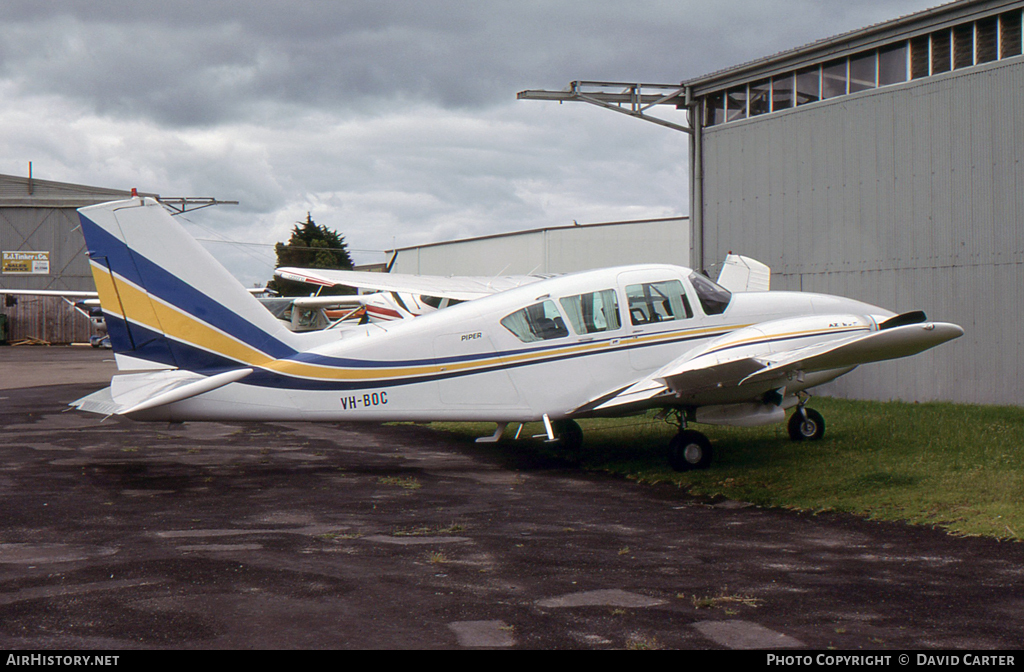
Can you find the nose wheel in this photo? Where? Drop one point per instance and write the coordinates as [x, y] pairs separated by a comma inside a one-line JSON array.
[[806, 424]]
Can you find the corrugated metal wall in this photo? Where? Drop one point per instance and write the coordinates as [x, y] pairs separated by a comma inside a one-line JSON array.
[[46, 318], [909, 197], [53, 230]]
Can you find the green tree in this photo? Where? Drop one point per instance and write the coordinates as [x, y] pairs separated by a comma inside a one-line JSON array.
[[311, 246]]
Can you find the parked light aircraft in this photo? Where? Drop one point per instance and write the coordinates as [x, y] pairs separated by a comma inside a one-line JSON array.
[[398, 296], [192, 344], [85, 302], [297, 314]]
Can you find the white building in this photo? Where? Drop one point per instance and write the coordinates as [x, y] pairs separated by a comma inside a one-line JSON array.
[[560, 249]]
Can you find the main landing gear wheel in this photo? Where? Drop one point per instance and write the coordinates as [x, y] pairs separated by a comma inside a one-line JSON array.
[[689, 449], [806, 425], [570, 438]]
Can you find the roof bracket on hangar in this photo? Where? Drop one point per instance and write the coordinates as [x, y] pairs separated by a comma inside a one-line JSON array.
[[180, 206], [622, 97]]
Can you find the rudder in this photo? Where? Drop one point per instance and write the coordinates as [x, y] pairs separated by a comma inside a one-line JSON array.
[[167, 301]]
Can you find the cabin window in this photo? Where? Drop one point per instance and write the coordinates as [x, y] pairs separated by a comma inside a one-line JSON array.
[[432, 301], [592, 313], [657, 302], [539, 322], [714, 298]]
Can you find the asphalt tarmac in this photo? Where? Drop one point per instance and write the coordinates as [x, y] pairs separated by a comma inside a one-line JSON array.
[[118, 535]]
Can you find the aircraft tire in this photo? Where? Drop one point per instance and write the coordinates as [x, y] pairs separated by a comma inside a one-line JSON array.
[[570, 438], [689, 449], [809, 428]]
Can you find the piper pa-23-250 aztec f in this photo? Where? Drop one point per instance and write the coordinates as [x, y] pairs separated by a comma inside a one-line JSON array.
[[192, 344]]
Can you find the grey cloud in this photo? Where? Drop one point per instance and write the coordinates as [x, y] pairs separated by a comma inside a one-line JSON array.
[[189, 64]]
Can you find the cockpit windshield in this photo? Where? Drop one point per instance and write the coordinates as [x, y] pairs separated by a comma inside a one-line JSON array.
[[714, 298]]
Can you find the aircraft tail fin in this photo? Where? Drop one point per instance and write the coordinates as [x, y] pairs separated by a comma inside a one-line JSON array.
[[743, 274], [168, 303]]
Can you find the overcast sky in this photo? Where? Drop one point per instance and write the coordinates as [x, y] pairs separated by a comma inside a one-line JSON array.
[[395, 123]]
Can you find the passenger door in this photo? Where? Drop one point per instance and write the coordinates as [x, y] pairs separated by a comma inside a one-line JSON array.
[[658, 312]]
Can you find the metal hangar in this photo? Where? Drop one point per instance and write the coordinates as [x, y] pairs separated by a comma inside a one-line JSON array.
[[882, 164]]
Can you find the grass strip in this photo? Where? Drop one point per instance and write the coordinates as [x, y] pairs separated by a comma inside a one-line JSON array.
[[958, 467]]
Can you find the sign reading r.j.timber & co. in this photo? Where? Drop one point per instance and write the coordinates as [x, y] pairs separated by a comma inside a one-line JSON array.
[[25, 263]]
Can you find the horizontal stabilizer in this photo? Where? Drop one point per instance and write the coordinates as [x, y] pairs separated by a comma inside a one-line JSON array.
[[133, 392]]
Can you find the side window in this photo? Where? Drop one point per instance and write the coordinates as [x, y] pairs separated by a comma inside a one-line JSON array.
[[594, 312], [539, 322], [657, 302], [432, 301]]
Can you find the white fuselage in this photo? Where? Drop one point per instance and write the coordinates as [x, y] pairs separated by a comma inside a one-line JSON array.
[[463, 363]]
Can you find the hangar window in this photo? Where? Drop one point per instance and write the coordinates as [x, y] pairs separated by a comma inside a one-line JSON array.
[[592, 313], [920, 57], [808, 85], [782, 92], [715, 112], [760, 97], [1009, 35], [539, 322], [963, 46], [736, 103], [863, 73], [833, 79], [654, 302], [987, 40], [892, 64], [941, 51], [960, 46]]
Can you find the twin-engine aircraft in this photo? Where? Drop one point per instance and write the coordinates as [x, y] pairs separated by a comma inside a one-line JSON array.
[[192, 344]]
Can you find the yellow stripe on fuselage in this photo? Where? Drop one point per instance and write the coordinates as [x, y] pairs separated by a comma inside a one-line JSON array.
[[132, 303]]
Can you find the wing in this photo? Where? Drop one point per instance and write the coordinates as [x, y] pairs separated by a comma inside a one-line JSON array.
[[462, 288], [744, 365], [67, 294]]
